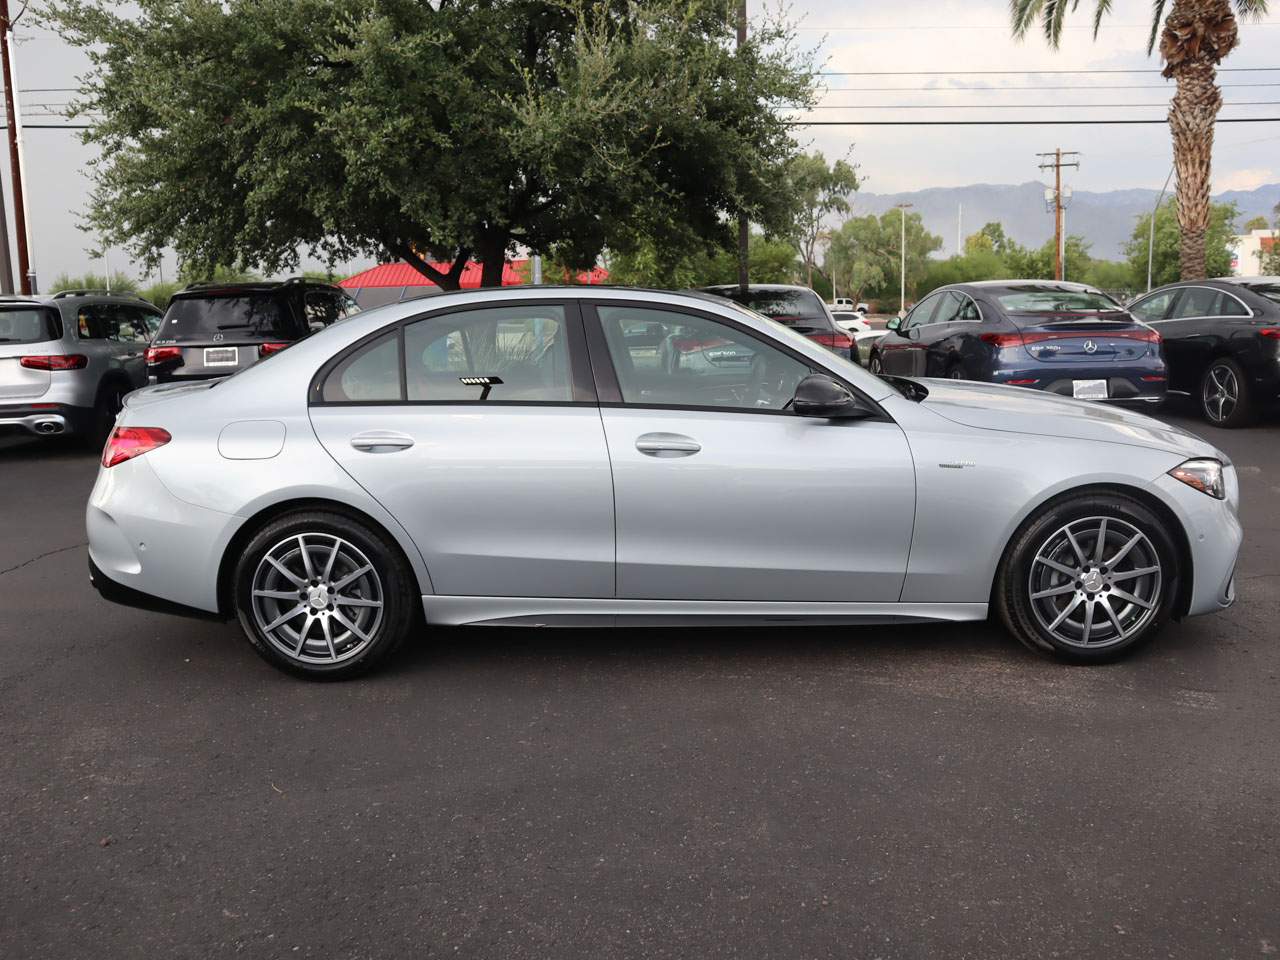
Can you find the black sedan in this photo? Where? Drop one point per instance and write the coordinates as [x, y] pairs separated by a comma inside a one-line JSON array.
[[796, 307], [1221, 341], [1063, 338]]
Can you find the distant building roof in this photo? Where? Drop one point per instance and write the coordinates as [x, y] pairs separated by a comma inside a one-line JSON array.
[[514, 273]]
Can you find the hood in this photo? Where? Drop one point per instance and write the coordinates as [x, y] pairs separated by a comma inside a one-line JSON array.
[[165, 391], [1019, 410]]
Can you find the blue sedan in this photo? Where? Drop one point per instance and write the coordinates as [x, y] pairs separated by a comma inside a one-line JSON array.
[[1063, 338]]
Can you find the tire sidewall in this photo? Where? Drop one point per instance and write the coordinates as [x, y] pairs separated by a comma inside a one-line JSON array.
[[398, 591], [1013, 595]]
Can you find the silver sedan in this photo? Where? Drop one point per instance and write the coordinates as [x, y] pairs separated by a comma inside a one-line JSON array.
[[529, 457]]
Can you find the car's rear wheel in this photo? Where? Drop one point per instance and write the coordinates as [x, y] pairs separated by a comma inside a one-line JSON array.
[[874, 364], [1224, 395], [323, 596], [106, 408], [1089, 578]]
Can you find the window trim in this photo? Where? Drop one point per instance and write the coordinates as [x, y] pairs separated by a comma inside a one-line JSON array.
[[581, 384], [610, 391], [976, 306], [1173, 304]]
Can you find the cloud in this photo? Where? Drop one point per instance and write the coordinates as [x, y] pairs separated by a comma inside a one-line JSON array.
[[1249, 179]]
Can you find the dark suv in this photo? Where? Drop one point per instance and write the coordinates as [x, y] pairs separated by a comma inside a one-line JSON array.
[[796, 307], [214, 329]]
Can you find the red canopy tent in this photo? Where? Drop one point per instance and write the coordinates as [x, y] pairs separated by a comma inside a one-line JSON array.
[[389, 282]]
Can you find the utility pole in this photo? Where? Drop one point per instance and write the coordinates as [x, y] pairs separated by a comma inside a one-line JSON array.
[[1151, 239], [744, 227], [902, 276], [959, 229], [1056, 164], [15, 156]]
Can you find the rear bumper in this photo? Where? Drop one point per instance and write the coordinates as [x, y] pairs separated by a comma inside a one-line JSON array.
[[41, 422], [1121, 387], [115, 592]]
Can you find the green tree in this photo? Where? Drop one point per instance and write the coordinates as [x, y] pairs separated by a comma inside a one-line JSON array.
[[768, 261], [1257, 223], [1166, 261], [248, 131], [865, 255], [991, 237], [821, 190], [120, 282], [160, 293], [1194, 38]]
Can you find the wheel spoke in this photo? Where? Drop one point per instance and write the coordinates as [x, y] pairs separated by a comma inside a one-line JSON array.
[[1075, 545], [328, 637], [1055, 565], [1088, 621], [306, 558], [284, 617], [1132, 574], [1066, 611], [1123, 551], [277, 594], [328, 564], [360, 572], [355, 602], [342, 619], [1054, 591], [1125, 595], [287, 573], [1102, 540], [1115, 621], [302, 634]]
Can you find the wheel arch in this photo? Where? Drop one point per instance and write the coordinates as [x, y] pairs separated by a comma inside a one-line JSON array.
[[1186, 573], [247, 530]]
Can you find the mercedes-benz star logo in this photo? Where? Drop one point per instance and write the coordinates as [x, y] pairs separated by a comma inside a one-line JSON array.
[[1090, 346]]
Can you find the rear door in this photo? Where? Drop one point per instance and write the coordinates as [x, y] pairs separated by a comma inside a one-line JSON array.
[[485, 442], [26, 329]]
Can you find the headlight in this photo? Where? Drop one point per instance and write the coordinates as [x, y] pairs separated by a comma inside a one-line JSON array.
[[1204, 475]]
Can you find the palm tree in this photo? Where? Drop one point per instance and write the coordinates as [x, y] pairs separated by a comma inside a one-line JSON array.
[[1194, 39]]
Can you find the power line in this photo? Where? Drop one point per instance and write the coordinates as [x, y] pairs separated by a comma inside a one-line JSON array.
[[1021, 106], [992, 89], [1003, 123], [912, 28], [1023, 73]]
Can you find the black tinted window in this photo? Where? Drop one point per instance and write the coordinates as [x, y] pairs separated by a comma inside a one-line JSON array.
[[779, 304], [28, 325], [253, 316], [369, 375]]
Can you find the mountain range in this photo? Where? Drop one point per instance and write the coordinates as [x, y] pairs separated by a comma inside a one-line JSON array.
[[1106, 220]]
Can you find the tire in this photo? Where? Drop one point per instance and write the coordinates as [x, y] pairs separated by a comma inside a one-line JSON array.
[[338, 640], [874, 365], [1041, 554], [1225, 399], [102, 419], [955, 373]]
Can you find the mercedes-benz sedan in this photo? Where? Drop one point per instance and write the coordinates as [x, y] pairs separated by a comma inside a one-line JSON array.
[[526, 456]]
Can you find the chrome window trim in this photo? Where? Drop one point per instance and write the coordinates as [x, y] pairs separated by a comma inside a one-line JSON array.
[[1208, 316]]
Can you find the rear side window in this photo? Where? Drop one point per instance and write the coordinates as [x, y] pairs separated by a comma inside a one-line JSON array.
[[252, 316], [29, 325], [370, 375]]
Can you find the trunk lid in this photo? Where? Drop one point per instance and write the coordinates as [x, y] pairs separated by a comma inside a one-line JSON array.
[[26, 329], [1084, 338]]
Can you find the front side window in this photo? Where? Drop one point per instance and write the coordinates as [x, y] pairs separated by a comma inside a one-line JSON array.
[[516, 353], [1153, 308], [664, 358], [922, 313]]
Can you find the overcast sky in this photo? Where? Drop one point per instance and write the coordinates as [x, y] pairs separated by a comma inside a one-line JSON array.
[[870, 41]]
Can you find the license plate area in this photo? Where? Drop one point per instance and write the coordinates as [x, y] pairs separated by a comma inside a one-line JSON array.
[[1089, 389], [221, 356]]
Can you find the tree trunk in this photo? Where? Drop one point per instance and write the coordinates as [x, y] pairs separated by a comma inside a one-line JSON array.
[[1195, 38]]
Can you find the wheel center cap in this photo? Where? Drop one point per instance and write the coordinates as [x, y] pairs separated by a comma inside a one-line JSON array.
[[1092, 581], [318, 597]]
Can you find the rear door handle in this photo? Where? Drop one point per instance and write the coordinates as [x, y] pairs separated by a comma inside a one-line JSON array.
[[381, 441], [667, 445]]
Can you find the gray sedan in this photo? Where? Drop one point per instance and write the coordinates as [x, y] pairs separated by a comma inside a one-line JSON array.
[[525, 456]]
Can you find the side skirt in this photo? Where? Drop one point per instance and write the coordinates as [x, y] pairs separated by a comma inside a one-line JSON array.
[[606, 612]]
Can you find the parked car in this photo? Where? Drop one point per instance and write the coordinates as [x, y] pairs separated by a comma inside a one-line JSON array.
[[1064, 338], [67, 361], [215, 329], [852, 322], [1221, 341], [840, 304], [520, 457], [796, 307], [863, 341]]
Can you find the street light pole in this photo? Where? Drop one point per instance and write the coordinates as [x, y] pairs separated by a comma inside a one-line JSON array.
[[902, 274], [1151, 239], [744, 227]]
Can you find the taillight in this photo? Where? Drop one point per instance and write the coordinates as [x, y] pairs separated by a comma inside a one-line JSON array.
[[157, 355], [70, 361], [1153, 379], [267, 349], [1271, 333], [1023, 383], [1002, 340], [833, 341], [129, 442]]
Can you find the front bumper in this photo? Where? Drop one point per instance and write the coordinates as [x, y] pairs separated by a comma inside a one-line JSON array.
[[1214, 536]]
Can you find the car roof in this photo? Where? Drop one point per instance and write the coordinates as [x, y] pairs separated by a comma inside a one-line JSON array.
[[764, 287], [62, 296], [1024, 284], [217, 288]]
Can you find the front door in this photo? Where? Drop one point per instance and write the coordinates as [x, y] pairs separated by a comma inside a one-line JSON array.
[[904, 352], [472, 429], [721, 493]]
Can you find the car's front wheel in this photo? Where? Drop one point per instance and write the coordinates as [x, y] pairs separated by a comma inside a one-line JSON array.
[[323, 596], [1089, 578]]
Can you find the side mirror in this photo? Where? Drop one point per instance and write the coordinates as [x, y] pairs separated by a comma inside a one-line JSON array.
[[894, 323], [817, 395]]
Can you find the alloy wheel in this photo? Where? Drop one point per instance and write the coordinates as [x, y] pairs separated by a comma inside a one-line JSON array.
[[317, 599], [1221, 392], [1095, 582]]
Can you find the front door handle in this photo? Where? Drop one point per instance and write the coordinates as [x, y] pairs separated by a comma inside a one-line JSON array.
[[381, 441], [667, 445]]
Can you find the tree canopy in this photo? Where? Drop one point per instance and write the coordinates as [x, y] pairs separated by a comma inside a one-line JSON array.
[[820, 189], [248, 131], [1165, 262], [864, 256]]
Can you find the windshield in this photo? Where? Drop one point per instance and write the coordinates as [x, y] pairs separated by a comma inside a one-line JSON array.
[[1269, 290], [246, 316], [778, 304], [28, 325], [1056, 300]]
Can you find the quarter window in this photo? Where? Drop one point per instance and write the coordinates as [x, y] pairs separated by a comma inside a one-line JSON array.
[[370, 375], [664, 358], [523, 350]]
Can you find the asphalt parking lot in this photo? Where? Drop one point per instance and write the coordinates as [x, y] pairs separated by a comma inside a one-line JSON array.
[[881, 792]]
